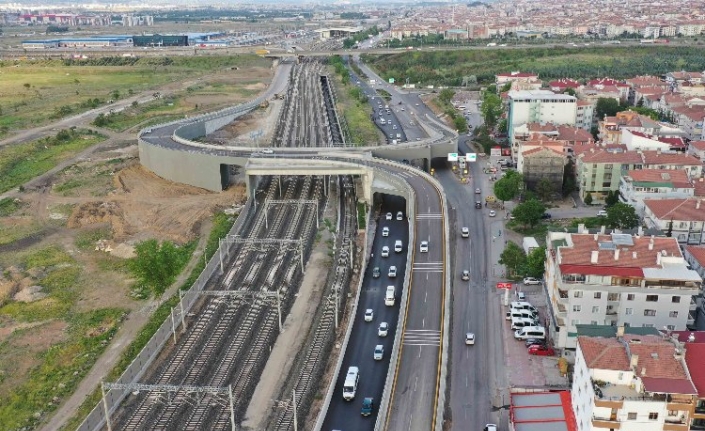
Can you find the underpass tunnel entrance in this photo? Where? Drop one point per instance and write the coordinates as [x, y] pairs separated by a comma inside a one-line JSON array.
[[231, 175], [389, 202]]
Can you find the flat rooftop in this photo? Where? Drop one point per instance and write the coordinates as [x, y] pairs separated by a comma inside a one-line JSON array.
[[542, 411]]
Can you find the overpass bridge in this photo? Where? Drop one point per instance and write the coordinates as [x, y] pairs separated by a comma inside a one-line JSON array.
[[172, 151]]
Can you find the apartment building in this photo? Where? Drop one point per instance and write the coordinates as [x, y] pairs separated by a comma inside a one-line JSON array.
[[585, 115], [616, 279], [632, 383], [697, 149], [695, 256], [638, 185], [684, 217], [635, 140], [538, 160], [539, 106]]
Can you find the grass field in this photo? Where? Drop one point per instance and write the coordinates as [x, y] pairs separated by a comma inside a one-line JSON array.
[[34, 92], [357, 115], [20, 163]]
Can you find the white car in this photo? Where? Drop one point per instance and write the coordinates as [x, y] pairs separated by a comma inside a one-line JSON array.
[[490, 427], [379, 352], [478, 191], [383, 329], [388, 216], [400, 216], [423, 248], [268, 151], [465, 275], [521, 296], [465, 232], [369, 315], [531, 280], [493, 213], [469, 338], [602, 213], [385, 231], [385, 251], [392, 272]]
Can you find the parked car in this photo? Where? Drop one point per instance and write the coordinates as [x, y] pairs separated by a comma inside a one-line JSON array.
[[493, 213], [383, 329], [534, 342], [469, 338], [465, 275], [602, 213], [521, 296], [369, 315], [423, 248], [541, 350], [388, 216], [375, 272], [368, 407], [465, 232], [546, 216], [531, 280]]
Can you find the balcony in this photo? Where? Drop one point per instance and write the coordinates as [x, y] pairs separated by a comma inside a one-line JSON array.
[[608, 423], [693, 304], [670, 426]]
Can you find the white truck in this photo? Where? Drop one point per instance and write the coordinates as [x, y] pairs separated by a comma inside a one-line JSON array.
[[350, 385], [390, 296]]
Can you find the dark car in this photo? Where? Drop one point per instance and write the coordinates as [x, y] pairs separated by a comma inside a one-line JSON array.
[[546, 216], [375, 272], [478, 204], [368, 406]]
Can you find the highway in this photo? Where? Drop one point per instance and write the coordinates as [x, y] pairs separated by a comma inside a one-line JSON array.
[[345, 415]]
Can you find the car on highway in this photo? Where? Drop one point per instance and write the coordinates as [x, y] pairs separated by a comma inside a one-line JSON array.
[[541, 350], [465, 232], [469, 338], [465, 275], [423, 248], [379, 352], [400, 216], [375, 272], [385, 231], [478, 191], [383, 329], [369, 315], [385, 251], [602, 213], [531, 281], [392, 272], [478, 204], [388, 216], [268, 151], [398, 246], [490, 427], [368, 406], [493, 213]]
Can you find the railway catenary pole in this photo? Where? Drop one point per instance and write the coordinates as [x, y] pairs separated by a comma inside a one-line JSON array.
[[293, 402], [181, 304], [105, 406], [232, 408], [220, 253], [173, 324]]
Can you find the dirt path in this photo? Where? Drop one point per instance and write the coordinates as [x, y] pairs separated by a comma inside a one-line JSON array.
[[124, 336]]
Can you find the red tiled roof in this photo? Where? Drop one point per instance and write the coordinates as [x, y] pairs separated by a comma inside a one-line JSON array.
[[656, 357], [517, 75], [698, 145], [676, 209], [538, 127], [580, 253], [678, 177], [607, 81], [543, 149], [601, 270], [602, 156], [699, 184], [698, 253], [694, 354], [564, 83], [570, 133], [673, 142], [669, 386], [604, 353], [661, 158]]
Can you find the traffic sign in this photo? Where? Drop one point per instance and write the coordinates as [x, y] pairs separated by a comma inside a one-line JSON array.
[[504, 285], [452, 157], [391, 80], [471, 157]]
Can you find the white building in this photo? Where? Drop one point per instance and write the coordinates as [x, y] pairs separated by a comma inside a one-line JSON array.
[[616, 279], [635, 140], [540, 106], [631, 383], [684, 217], [640, 184]]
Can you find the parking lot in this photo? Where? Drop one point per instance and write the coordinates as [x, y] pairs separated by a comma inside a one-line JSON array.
[[524, 370]]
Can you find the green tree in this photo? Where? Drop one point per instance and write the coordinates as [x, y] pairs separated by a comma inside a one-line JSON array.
[[535, 264], [569, 91], [588, 199], [27, 85], [544, 190], [101, 120], [509, 186], [506, 87], [622, 216], [612, 198], [568, 185], [491, 109], [513, 257], [529, 212], [115, 94], [461, 124], [157, 265], [606, 106], [502, 126]]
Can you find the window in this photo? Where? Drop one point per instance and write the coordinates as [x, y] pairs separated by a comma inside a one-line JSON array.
[[574, 322], [613, 296], [673, 314], [629, 311], [630, 296], [576, 308], [671, 327], [651, 298], [647, 325], [650, 313], [631, 416], [593, 322], [597, 295], [595, 309], [578, 294], [675, 299], [673, 413], [653, 416], [620, 376]]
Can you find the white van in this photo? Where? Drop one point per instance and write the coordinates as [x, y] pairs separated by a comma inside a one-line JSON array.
[[528, 314], [522, 322], [389, 296], [527, 332], [398, 246], [522, 306], [350, 385]]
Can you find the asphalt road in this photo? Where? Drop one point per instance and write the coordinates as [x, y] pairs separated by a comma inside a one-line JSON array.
[[345, 415]]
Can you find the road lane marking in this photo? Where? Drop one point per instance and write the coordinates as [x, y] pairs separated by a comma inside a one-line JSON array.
[[429, 216], [422, 337]]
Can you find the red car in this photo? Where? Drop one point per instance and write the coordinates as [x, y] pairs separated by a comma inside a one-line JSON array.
[[541, 350]]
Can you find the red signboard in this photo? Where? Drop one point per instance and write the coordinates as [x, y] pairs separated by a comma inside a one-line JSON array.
[[504, 285]]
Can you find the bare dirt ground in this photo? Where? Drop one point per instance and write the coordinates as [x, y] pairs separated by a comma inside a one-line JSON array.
[[254, 129]]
